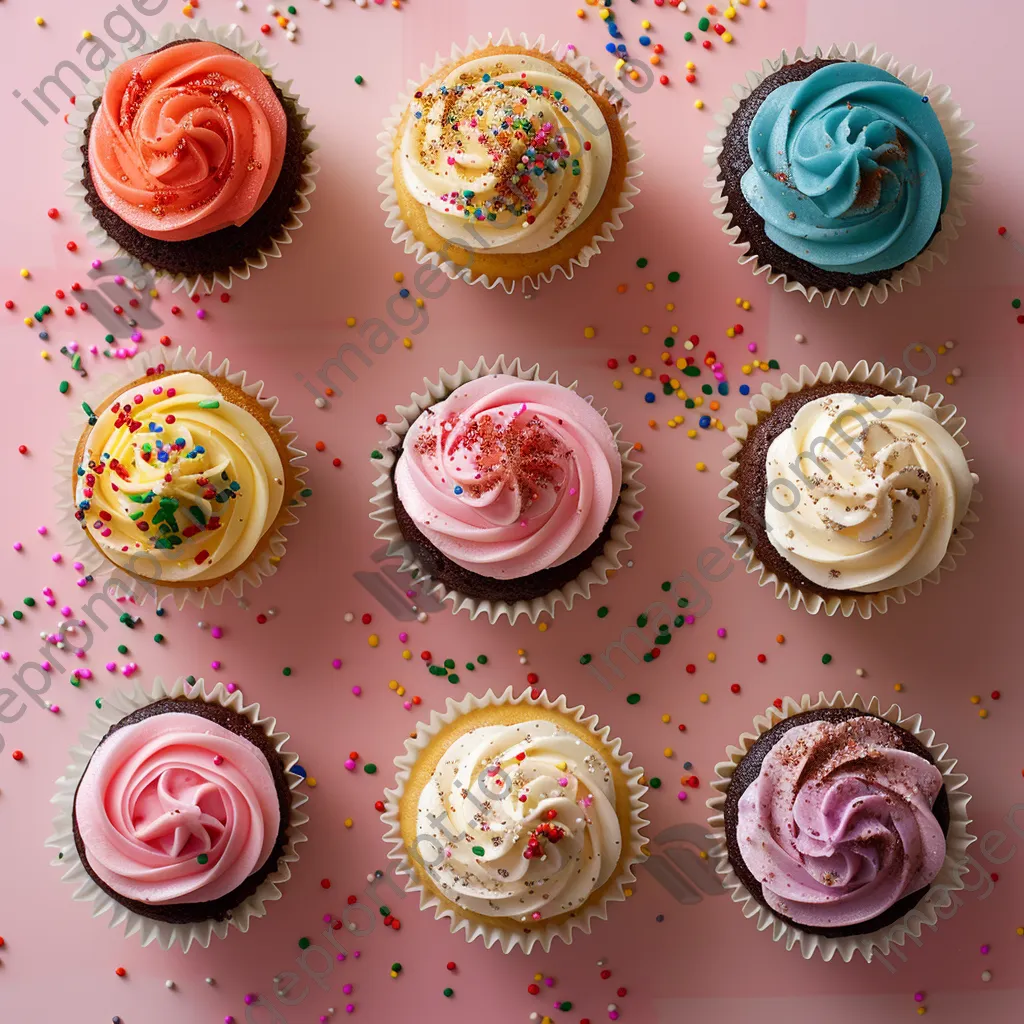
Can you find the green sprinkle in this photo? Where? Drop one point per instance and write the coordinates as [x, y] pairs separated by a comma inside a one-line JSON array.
[[481, 659], [565, 1005], [682, 602], [202, 859], [305, 492], [633, 698], [670, 343], [286, 671], [87, 409], [706, 388], [359, 79], [376, 454], [478, 851], [448, 993], [121, 649], [663, 638], [449, 663], [291, 10], [470, 667], [641, 620], [678, 621], [453, 678], [303, 943], [64, 386], [773, 364], [191, 680], [370, 768], [667, 585], [673, 276], [75, 681], [704, 24], [30, 602], [826, 658], [648, 656], [1015, 303], [209, 403], [437, 670], [18, 614], [108, 338], [585, 659], [688, 36], [396, 967], [602, 611], [655, 783], [158, 637], [384, 910], [691, 371], [642, 262]]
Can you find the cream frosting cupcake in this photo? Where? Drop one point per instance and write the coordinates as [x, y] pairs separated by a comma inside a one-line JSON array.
[[517, 818], [182, 478], [508, 162]]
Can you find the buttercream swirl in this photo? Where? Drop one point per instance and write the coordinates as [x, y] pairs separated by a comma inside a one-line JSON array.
[[851, 169], [864, 493], [838, 826], [507, 477], [187, 140], [505, 153], [176, 483], [519, 821], [176, 809]]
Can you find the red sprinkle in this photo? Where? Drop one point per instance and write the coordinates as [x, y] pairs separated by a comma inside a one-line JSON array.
[[325, 883], [735, 687], [996, 695], [682, 728], [378, 805], [53, 213], [17, 755], [762, 658], [606, 974], [367, 618], [261, 618], [450, 965], [691, 669], [120, 972], [425, 655], [777, 703], [532, 678], [613, 364], [381, 419], [1001, 230]]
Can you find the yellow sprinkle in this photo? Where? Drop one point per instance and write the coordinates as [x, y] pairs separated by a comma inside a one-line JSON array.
[[668, 751], [701, 467], [975, 699], [44, 354], [699, 104], [746, 304], [638, 370], [747, 369], [950, 379], [538, 977], [698, 400], [898, 687], [690, 66], [620, 64], [407, 342], [407, 655], [24, 272], [671, 423], [589, 332], [153, 293], [712, 656], [1020, 931], [918, 348], [648, 372], [542, 627], [86, 34], [401, 691], [420, 303], [627, 892], [983, 713], [348, 823], [670, 306], [394, 974], [275, 560], [604, 14], [645, 329], [726, 37], [398, 277], [730, 332], [645, 24], [730, 12], [691, 433], [666, 718], [649, 286], [703, 854], [704, 698], [27, 321], [373, 640], [350, 321], [40, 21], [393, 685], [941, 350], [617, 384], [311, 782], [922, 1010], [762, 4]]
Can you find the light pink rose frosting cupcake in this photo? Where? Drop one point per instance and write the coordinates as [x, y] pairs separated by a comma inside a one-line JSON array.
[[187, 140], [838, 826], [507, 477], [176, 809]]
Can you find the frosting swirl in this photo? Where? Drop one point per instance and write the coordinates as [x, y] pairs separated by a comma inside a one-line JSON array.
[[505, 153], [864, 493], [838, 826], [519, 821], [850, 171], [507, 477], [187, 140], [176, 809], [176, 483]]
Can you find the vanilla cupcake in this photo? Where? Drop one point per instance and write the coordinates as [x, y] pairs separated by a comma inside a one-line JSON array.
[[517, 818], [508, 163], [184, 478]]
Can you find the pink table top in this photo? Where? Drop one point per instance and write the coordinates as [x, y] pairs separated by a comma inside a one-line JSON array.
[[702, 960]]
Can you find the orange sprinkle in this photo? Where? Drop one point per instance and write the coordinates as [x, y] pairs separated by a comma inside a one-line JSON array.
[[320, 446], [621, 289], [780, 639], [328, 392]]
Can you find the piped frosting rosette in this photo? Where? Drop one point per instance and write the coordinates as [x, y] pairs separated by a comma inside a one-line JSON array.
[[179, 493], [196, 147], [503, 166], [874, 172], [174, 809], [838, 827], [552, 506], [885, 504], [528, 825]]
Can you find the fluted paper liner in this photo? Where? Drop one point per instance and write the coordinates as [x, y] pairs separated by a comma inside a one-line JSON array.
[[955, 127], [925, 913], [596, 574], [271, 548], [230, 36], [402, 234], [794, 595], [523, 935], [119, 705]]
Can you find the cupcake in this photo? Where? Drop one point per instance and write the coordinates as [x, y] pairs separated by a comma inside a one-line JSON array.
[[841, 826], [193, 161], [838, 177], [184, 479], [179, 811], [515, 817], [505, 493], [848, 488], [508, 163]]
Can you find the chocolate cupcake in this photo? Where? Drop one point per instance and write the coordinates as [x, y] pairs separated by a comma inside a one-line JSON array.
[[183, 812], [841, 825], [838, 173], [193, 160], [504, 492], [848, 488]]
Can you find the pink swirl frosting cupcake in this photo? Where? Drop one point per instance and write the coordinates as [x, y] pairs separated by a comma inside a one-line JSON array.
[[176, 809], [838, 826], [187, 140], [509, 477]]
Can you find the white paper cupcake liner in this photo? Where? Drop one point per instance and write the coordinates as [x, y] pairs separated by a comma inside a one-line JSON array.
[[515, 934], [231, 37], [272, 546], [402, 234], [956, 129], [793, 595], [115, 707], [596, 574], [925, 913]]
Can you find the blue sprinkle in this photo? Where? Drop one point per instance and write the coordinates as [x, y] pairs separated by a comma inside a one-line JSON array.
[[744, 389], [200, 449], [180, 442], [704, 421], [458, 489], [610, 47], [723, 388], [297, 769], [487, 78], [419, 114], [924, 99], [645, 40], [687, 765], [162, 456], [160, 612], [45, 335], [235, 485], [649, 397], [621, 48], [404, 292]]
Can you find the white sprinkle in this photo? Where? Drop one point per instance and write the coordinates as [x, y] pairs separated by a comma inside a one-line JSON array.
[[290, 36], [422, 617], [799, 339], [349, 616], [240, 4], [210, 981], [986, 975], [320, 403], [860, 672], [168, 983], [956, 371]]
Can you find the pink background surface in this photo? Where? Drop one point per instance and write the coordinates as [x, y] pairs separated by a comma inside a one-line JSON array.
[[704, 960]]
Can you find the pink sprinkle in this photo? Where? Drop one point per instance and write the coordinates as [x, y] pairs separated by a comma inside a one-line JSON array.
[[336, 662], [690, 620], [17, 545], [217, 759], [96, 264], [340, 956], [407, 704], [327, 919], [613, 1014], [347, 989], [752, 347], [118, 279], [249, 999], [77, 566], [231, 687], [721, 632], [66, 611], [918, 996], [350, 764], [216, 632], [83, 673], [111, 666], [563, 781], [403, 637], [46, 666], [55, 557], [215, 665], [47, 591], [536, 915], [350, 1008], [357, 690], [5, 655], [200, 314], [55, 708], [357, 954], [41, 531], [682, 795], [984, 950]]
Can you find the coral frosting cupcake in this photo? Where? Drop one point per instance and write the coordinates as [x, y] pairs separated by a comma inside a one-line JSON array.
[[195, 160], [182, 813], [839, 172], [844, 825], [517, 818], [184, 478], [507, 490], [508, 163]]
